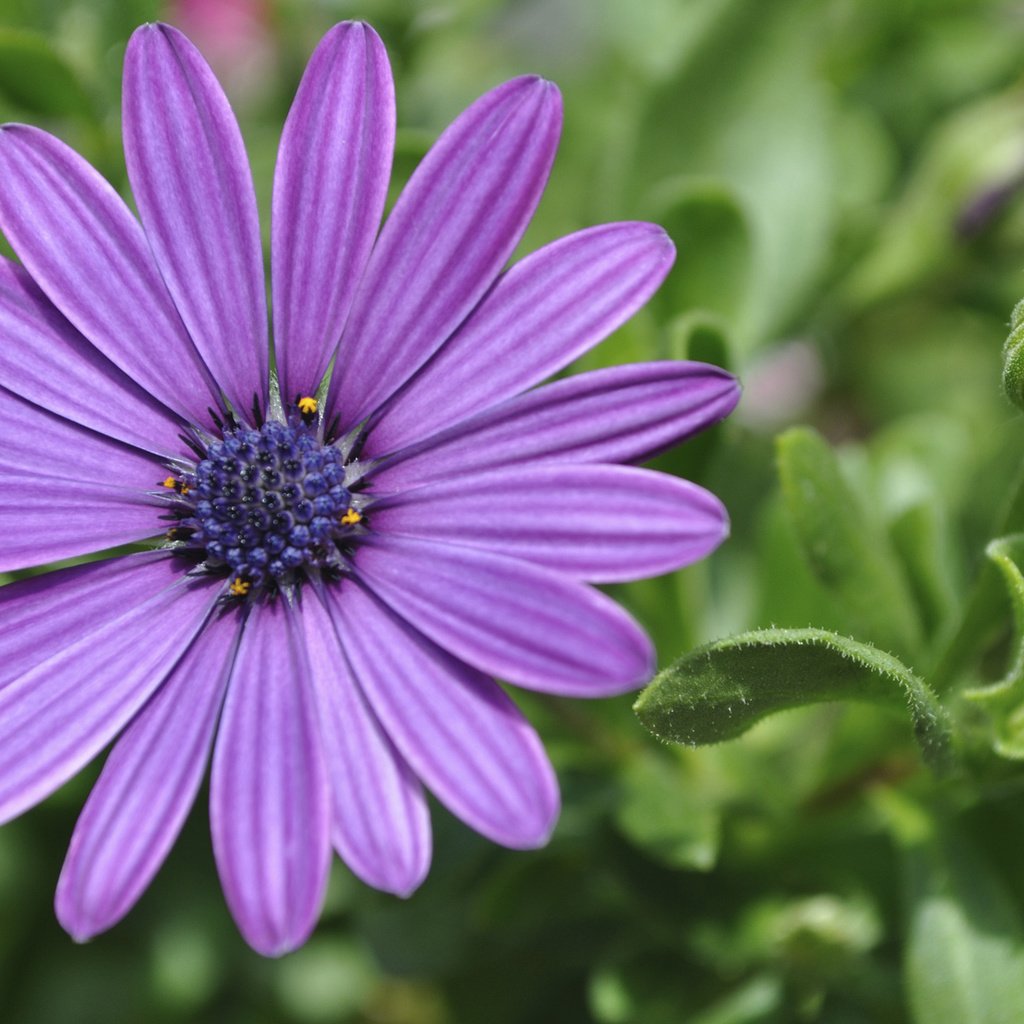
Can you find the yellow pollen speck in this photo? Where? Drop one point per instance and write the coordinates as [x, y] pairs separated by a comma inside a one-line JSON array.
[[239, 587], [351, 517], [307, 406], [169, 482]]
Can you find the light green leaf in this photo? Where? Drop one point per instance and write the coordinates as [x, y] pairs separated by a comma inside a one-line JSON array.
[[976, 148], [846, 551], [766, 130], [720, 690], [712, 237], [965, 947], [34, 76], [920, 535], [663, 813]]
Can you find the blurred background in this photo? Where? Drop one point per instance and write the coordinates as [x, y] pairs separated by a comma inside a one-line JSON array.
[[844, 181]]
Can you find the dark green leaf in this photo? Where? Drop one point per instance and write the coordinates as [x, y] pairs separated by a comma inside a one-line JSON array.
[[720, 690], [34, 76]]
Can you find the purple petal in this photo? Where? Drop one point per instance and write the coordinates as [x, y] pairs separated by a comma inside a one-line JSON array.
[[191, 180], [457, 729], [74, 519], [381, 824], [451, 231], [44, 359], [330, 185], [548, 309], [508, 618], [137, 807], [269, 804], [66, 491], [34, 442], [600, 523], [89, 255], [619, 414], [65, 693]]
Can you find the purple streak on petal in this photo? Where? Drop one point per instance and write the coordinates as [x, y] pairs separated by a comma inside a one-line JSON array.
[[380, 821], [619, 414], [36, 443], [457, 729], [66, 491], [73, 519], [137, 807], [65, 698], [548, 309], [451, 231], [44, 359], [70, 604], [605, 524], [508, 618], [89, 255], [330, 185], [269, 802], [191, 180]]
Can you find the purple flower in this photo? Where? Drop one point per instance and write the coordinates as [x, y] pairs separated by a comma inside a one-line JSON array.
[[337, 581]]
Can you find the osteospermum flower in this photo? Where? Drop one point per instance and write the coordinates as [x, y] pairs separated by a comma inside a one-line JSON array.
[[342, 569]]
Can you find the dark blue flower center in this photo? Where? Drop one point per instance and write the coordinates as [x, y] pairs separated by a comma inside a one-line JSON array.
[[266, 505]]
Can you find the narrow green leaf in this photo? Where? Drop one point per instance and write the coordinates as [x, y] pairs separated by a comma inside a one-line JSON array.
[[720, 690], [1004, 701], [846, 551], [920, 536], [965, 947], [35, 76]]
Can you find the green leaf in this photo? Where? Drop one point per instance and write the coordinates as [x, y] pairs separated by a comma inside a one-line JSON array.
[[1013, 358], [965, 947], [712, 237], [846, 551], [35, 76], [920, 535], [720, 690], [765, 128], [666, 816], [1003, 702]]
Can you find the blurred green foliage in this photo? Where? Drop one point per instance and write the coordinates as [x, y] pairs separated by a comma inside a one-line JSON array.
[[844, 180]]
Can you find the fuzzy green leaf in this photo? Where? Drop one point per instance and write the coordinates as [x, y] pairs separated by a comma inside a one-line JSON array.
[[720, 690], [1004, 701]]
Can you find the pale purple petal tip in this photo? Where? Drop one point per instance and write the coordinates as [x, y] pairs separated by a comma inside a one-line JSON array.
[[618, 414], [269, 803], [380, 819], [86, 251], [549, 309], [139, 804], [60, 705], [508, 618], [456, 728], [191, 180], [330, 186], [604, 524], [451, 231]]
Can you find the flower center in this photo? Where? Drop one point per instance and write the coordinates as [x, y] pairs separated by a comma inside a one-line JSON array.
[[266, 505]]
